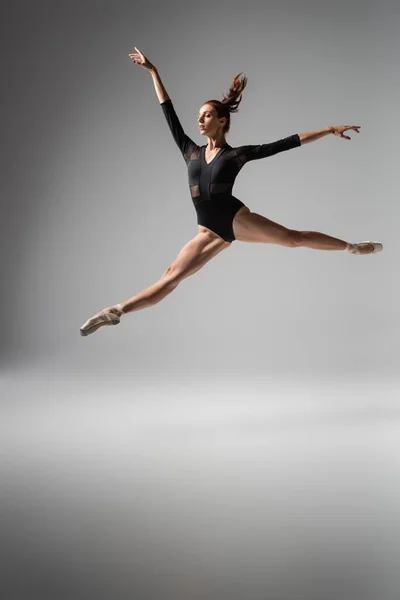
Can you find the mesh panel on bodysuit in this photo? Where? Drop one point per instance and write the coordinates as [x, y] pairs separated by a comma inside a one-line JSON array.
[[195, 191], [192, 153], [240, 159], [220, 188]]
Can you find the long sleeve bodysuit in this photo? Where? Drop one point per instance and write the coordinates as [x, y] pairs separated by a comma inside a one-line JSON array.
[[211, 184]]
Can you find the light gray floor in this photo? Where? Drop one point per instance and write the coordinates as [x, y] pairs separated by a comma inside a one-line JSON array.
[[119, 488]]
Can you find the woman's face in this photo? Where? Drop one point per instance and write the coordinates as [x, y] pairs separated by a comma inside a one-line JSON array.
[[208, 122]]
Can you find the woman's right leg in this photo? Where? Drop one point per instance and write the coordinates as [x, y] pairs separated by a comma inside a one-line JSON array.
[[192, 257]]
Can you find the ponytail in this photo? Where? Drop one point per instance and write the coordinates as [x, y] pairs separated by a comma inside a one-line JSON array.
[[231, 101]]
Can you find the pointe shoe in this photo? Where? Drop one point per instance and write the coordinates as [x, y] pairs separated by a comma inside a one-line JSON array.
[[377, 247], [108, 316]]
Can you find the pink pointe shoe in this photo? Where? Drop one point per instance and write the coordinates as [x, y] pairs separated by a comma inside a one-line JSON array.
[[107, 316], [377, 247]]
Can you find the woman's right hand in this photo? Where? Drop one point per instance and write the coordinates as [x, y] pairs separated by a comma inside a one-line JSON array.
[[141, 60]]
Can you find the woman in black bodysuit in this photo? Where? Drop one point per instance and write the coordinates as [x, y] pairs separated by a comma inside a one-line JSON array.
[[221, 217]]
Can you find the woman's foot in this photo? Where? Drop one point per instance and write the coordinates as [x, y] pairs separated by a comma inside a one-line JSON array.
[[365, 248], [107, 316]]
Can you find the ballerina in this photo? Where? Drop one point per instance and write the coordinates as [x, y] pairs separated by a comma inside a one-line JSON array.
[[221, 217]]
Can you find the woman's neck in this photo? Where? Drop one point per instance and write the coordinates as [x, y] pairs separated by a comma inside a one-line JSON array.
[[216, 142]]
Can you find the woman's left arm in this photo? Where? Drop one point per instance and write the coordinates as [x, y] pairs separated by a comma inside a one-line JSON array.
[[306, 138]]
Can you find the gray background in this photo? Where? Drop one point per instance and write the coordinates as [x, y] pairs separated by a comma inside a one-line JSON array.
[[239, 439]]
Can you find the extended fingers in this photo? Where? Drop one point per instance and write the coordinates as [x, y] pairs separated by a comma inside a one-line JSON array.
[[349, 127], [136, 56]]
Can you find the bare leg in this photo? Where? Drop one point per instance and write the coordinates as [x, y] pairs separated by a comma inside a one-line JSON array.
[[252, 227], [193, 256], [150, 295]]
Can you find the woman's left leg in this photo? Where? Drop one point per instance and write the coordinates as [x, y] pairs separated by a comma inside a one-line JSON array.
[[252, 227]]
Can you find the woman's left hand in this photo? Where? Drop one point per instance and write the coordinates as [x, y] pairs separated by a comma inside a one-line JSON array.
[[340, 129]]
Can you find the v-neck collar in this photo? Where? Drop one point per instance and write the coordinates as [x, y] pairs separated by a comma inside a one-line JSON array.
[[214, 157]]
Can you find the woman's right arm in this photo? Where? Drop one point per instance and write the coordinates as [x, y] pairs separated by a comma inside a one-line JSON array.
[[143, 61], [158, 84], [184, 143]]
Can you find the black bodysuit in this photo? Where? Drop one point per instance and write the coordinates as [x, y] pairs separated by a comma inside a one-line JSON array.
[[211, 184]]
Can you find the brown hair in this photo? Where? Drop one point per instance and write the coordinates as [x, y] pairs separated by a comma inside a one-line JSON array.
[[230, 102]]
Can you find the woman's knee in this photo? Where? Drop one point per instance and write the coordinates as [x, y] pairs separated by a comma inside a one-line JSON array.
[[180, 269], [173, 276], [294, 238]]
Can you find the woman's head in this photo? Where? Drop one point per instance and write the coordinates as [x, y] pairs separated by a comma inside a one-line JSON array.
[[214, 115]]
